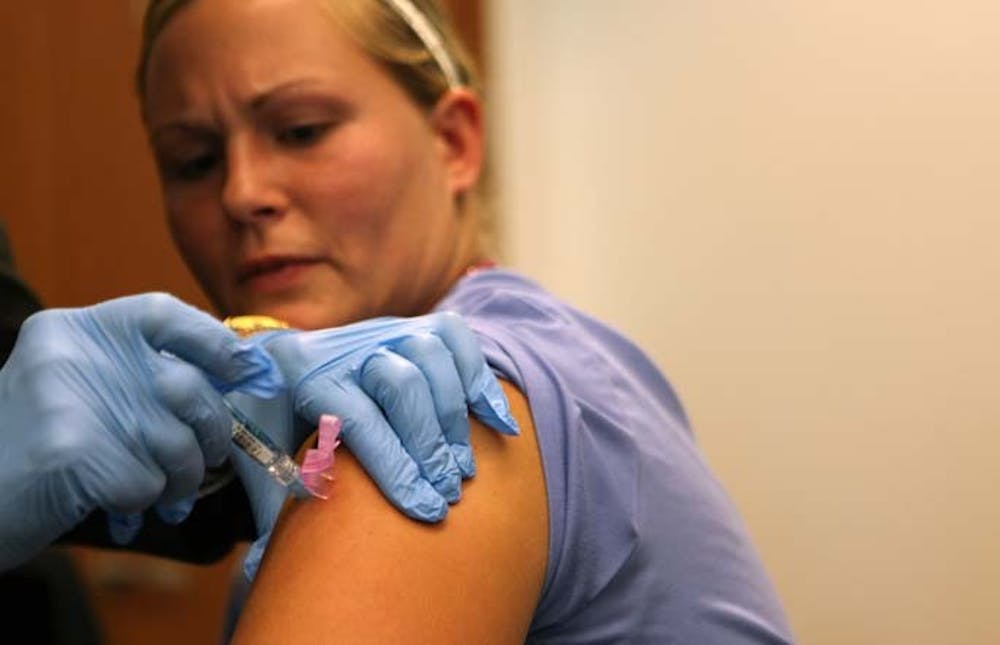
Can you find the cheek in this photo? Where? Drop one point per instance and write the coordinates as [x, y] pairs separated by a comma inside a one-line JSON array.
[[354, 195], [200, 245]]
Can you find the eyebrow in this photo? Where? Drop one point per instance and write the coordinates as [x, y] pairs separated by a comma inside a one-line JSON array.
[[261, 100], [180, 127], [257, 103]]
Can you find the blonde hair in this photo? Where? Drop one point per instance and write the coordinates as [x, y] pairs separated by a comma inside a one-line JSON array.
[[382, 29]]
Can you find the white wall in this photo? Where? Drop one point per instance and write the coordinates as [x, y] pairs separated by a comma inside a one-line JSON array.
[[794, 207]]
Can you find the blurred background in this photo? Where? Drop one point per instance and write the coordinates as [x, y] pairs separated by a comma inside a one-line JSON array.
[[792, 206]]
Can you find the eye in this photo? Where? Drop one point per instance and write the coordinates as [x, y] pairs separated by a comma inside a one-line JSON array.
[[303, 135], [186, 168], [194, 168]]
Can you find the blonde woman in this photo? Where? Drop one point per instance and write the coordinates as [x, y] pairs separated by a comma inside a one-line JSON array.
[[319, 161]]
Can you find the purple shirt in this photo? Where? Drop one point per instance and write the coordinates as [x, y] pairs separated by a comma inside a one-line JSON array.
[[644, 545]]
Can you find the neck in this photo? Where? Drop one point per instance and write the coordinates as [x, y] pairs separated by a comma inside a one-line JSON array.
[[468, 254]]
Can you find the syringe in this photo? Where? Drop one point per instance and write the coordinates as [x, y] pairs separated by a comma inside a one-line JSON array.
[[250, 438], [255, 443]]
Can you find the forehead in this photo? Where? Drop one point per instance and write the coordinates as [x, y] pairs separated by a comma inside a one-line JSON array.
[[241, 48]]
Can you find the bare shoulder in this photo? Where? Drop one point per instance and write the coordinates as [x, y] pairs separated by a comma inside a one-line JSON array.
[[353, 569]]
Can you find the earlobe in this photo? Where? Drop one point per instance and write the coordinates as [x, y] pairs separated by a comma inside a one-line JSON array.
[[458, 121]]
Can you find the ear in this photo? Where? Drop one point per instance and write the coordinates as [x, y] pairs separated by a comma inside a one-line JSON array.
[[457, 121]]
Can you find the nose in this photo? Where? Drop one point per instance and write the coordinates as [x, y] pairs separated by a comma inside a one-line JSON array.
[[252, 191]]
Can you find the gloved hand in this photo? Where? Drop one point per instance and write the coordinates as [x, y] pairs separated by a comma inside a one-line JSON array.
[[106, 407], [402, 387]]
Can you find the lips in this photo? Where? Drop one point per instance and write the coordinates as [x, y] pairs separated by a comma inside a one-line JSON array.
[[273, 272]]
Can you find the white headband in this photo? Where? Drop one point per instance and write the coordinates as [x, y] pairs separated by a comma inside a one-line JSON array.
[[426, 32]]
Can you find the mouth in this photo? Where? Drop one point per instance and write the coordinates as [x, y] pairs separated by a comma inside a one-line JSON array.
[[274, 273]]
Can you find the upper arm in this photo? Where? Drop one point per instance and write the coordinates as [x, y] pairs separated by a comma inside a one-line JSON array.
[[353, 569]]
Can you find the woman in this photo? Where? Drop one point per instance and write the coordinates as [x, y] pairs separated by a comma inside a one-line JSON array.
[[318, 162]]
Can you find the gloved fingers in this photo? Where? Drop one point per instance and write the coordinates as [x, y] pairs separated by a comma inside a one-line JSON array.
[[303, 352], [430, 355], [404, 395], [483, 392], [176, 512], [172, 444], [300, 353], [174, 449], [266, 495], [266, 500], [124, 527], [372, 441], [170, 325], [186, 393], [251, 562], [123, 485]]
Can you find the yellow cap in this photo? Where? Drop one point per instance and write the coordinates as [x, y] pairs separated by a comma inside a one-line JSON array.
[[250, 325]]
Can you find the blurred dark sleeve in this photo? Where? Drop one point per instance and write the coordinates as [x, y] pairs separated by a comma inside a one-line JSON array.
[[17, 301], [218, 521], [216, 524]]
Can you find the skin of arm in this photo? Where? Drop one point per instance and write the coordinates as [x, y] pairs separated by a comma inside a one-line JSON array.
[[352, 569]]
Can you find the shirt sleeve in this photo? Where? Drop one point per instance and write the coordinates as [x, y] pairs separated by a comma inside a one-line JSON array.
[[644, 544]]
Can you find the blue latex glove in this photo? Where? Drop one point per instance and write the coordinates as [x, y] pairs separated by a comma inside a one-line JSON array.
[[106, 407], [402, 387]]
